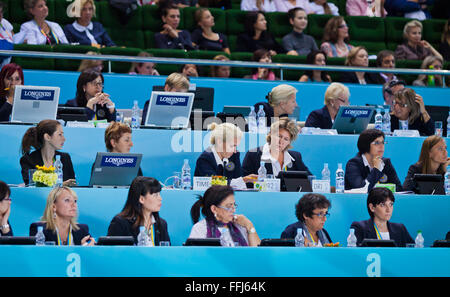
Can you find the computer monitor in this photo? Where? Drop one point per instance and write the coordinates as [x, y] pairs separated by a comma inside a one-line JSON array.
[[115, 240], [33, 104], [115, 169], [352, 119], [169, 110], [18, 240], [69, 113], [377, 243], [203, 97], [200, 119], [430, 184], [294, 181]]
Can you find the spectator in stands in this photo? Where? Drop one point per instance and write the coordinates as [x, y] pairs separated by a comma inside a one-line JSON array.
[[98, 105], [433, 160], [59, 220], [389, 89], [433, 63], [6, 36], [91, 65], [369, 166], [380, 205], [414, 48], [11, 75], [258, 5], [256, 35], [84, 31], [143, 68], [323, 7], [336, 95], [141, 209], [170, 37], [444, 47], [386, 59], [371, 8], [286, 5], [335, 37], [262, 56], [223, 4], [319, 58], [358, 57], [413, 9], [276, 151], [175, 82], [281, 103], [185, 3], [39, 30], [218, 206], [47, 138], [189, 70], [220, 71], [312, 213], [204, 37], [409, 107], [5, 210], [297, 42]]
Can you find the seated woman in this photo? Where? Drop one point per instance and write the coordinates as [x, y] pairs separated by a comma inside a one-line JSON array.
[[312, 213], [281, 103], [323, 7], [141, 209], [430, 62], [84, 31], [47, 138], [5, 210], [380, 206], [336, 38], [39, 30], [11, 75], [59, 220], [275, 153], [255, 5], [204, 37], [358, 57], [369, 166], [286, 5], [444, 46], [409, 107], [336, 95], [218, 206], [170, 37], [6, 36], [143, 68], [175, 82], [433, 160], [220, 71], [190, 70], [91, 65], [256, 35], [98, 105], [297, 42], [362, 8], [262, 56], [316, 58]]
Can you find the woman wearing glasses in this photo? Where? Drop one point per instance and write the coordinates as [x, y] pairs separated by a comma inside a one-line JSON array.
[[98, 105], [312, 213], [218, 206], [369, 167], [380, 205], [409, 112], [5, 209]]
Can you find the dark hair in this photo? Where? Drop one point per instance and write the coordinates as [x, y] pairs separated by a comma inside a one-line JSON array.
[[366, 137], [308, 203], [293, 11], [258, 55], [389, 85], [2, 5], [164, 9], [311, 59], [4, 189], [330, 32], [83, 79], [383, 54], [377, 196], [30, 4], [7, 71], [214, 195], [132, 210], [250, 20], [34, 136]]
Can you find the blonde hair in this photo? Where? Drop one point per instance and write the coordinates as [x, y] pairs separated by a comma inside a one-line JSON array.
[[409, 97], [224, 132], [334, 91], [74, 9], [280, 93], [287, 124], [178, 81], [134, 65], [213, 69], [88, 64], [426, 65], [409, 26], [352, 54], [49, 216]]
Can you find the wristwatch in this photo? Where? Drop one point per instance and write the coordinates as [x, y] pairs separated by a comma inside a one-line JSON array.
[[251, 231], [3, 227]]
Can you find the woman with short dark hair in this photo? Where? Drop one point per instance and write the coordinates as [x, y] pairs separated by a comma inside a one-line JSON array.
[[5, 210]]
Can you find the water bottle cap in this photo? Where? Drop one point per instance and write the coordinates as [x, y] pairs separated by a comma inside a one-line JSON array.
[[299, 230], [58, 157], [261, 107], [340, 165], [325, 164], [141, 228], [40, 228], [419, 231], [352, 230]]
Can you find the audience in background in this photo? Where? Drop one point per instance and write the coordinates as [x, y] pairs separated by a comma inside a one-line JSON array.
[[286, 5], [262, 56], [434, 63], [358, 57], [258, 5], [319, 58], [389, 89], [143, 68], [190, 70], [204, 37], [91, 65], [297, 42], [412, 9], [11, 75], [386, 59], [444, 47], [6, 36], [220, 71], [372, 8], [223, 4], [170, 37], [335, 37], [323, 7]]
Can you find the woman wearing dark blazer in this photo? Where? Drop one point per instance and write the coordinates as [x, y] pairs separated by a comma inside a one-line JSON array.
[[380, 205], [369, 166], [141, 209], [358, 57], [5, 210]]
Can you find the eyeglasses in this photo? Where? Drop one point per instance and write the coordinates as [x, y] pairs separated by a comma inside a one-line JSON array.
[[376, 142], [399, 104], [97, 83], [230, 209], [7, 199], [342, 26], [322, 215], [386, 204]]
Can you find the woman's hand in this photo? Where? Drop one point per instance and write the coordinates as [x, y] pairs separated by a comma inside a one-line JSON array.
[[250, 178], [243, 221], [170, 31], [70, 183], [377, 162], [419, 100], [101, 99], [84, 241]]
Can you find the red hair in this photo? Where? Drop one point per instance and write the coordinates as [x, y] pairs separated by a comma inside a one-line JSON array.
[[6, 72]]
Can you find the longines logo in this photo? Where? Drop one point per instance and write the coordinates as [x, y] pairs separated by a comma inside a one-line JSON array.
[[172, 100], [119, 161], [37, 95]]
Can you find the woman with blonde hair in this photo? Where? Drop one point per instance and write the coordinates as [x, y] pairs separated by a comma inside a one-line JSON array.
[[430, 63], [59, 221], [358, 57], [220, 71], [91, 65], [143, 68], [204, 37]]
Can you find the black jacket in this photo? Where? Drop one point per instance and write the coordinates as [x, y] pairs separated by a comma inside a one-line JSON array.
[[206, 166], [268, 110], [366, 229], [5, 110], [410, 184], [246, 43], [291, 232], [319, 118], [425, 129], [50, 235], [102, 111], [371, 78]]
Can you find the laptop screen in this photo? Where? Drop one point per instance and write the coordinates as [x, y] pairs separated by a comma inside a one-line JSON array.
[[33, 104], [352, 119]]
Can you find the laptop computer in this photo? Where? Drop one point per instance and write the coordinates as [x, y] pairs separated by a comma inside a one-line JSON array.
[[114, 169], [294, 181], [18, 240], [202, 242], [352, 119], [169, 110], [277, 242], [69, 113], [33, 104], [115, 240], [203, 97], [430, 184], [243, 111]]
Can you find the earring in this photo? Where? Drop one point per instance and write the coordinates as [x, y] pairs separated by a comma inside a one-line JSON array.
[[54, 214]]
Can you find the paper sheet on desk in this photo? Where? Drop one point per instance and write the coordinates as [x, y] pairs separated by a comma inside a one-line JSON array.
[[362, 190], [238, 184]]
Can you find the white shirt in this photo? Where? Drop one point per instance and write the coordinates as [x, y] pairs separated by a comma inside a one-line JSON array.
[[318, 9], [284, 5], [31, 32], [199, 230], [250, 5], [276, 166], [385, 235], [366, 163], [86, 29], [6, 31]]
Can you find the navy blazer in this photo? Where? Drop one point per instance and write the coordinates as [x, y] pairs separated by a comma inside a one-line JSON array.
[[425, 129], [291, 232], [366, 229], [206, 166], [319, 118], [50, 235], [5, 110], [252, 161], [99, 33], [371, 78], [102, 111], [356, 174], [183, 41]]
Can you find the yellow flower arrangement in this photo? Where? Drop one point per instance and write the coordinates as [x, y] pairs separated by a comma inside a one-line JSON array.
[[219, 180], [45, 176]]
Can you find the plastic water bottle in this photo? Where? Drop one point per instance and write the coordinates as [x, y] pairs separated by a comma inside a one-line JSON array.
[[186, 175], [142, 239], [225, 237], [379, 120], [262, 127], [135, 116], [448, 125], [325, 172], [340, 179], [40, 237], [262, 172], [351, 239], [419, 240], [447, 181], [387, 122], [252, 124], [299, 238], [58, 170]]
